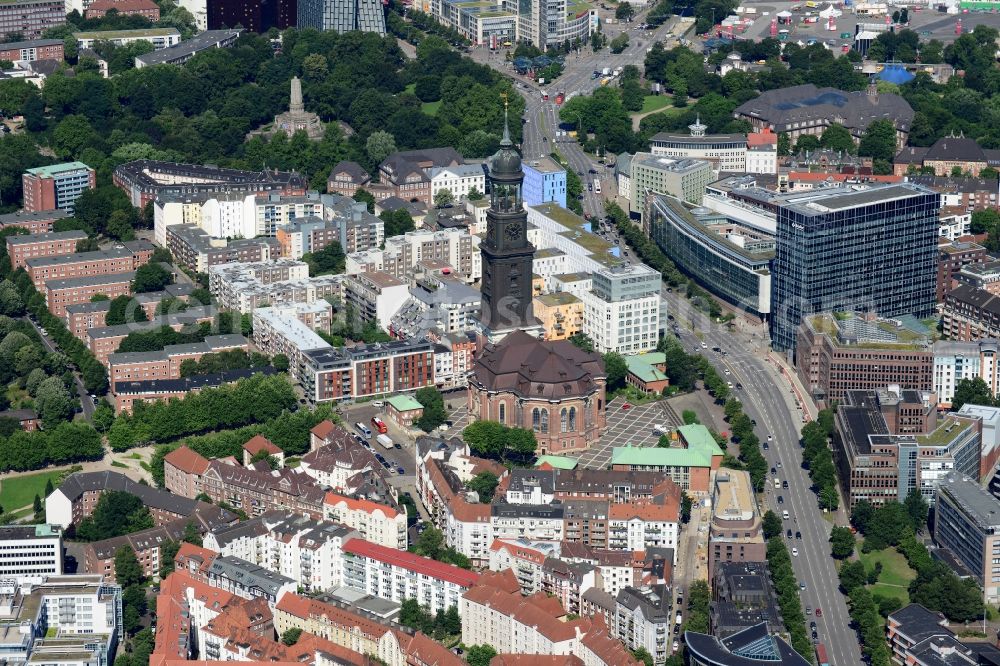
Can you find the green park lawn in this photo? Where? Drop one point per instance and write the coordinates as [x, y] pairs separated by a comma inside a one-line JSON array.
[[19, 491], [430, 108], [655, 103], [896, 573]]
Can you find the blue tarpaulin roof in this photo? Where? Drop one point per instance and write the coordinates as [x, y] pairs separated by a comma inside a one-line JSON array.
[[895, 74]]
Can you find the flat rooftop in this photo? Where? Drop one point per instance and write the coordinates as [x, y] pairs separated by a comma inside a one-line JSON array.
[[977, 503], [544, 165], [826, 200]]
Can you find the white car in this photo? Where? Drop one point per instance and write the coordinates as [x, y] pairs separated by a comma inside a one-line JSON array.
[[674, 647], [795, 552], [704, 346]]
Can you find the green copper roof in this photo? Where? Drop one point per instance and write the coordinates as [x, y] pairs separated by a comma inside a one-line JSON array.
[[558, 462], [643, 366], [404, 403], [701, 448], [54, 169]]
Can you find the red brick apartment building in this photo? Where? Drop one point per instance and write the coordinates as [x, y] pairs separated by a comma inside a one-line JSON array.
[[38, 49], [56, 186], [104, 341], [37, 246], [971, 314], [38, 222], [60, 294], [84, 264], [953, 256], [166, 364], [145, 8]]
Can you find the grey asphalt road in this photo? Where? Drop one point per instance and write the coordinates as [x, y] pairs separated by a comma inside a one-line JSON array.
[[539, 136], [85, 402], [767, 398]]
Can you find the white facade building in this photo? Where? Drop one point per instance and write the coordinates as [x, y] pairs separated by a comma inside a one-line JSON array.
[[30, 551], [955, 224], [955, 361], [375, 522], [397, 575], [307, 551], [622, 311], [459, 180], [640, 526]]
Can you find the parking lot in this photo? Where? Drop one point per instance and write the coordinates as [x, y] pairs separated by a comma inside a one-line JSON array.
[[633, 426]]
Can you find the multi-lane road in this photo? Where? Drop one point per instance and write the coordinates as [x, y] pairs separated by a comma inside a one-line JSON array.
[[768, 399], [767, 396], [542, 117]]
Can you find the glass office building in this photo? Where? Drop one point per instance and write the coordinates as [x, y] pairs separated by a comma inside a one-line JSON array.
[[729, 259], [854, 250]]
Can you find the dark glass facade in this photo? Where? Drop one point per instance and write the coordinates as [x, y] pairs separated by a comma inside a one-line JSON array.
[[727, 270], [869, 250]]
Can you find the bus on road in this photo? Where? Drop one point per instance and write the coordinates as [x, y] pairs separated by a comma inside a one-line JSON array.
[[597, 186]]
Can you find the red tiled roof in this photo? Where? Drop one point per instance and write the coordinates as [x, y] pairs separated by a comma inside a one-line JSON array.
[[323, 429], [360, 505], [304, 608], [536, 660], [187, 460], [260, 443], [648, 511], [411, 562], [762, 138], [426, 652], [122, 5], [820, 177]]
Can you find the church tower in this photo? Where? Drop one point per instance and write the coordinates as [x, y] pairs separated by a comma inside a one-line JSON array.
[[507, 254]]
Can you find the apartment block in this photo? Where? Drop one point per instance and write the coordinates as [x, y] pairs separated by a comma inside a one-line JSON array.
[[854, 351], [646, 524], [144, 8], [735, 533], [683, 178], [160, 38], [37, 222], [148, 546], [955, 361], [72, 620], [105, 341], [966, 523], [127, 394], [376, 296], [456, 248], [145, 180], [21, 248], [544, 181], [83, 264], [307, 551], [955, 257], [166, 363], [366, 370], [398, 575], [338, 462], [642, 620], [77, 496], [195, 250], [692, 466], [984, 276], [971, 314], [55, 186], [494, 613], [621, 313], [29, 51], [374, 521], [921, 637], [30, 551], [743, 596], [236, 286], [30, 18], [60, 294]]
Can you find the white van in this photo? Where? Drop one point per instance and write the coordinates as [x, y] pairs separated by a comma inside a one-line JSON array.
[[660, 429], [777, 482], [784, 514]]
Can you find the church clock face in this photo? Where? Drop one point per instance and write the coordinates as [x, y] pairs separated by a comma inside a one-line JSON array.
[[513, 231]]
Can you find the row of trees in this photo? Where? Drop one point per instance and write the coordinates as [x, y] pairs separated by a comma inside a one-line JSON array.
[[232, 359], [289, 432], [869, 624], [252, 400], [818, 459], [65, 443], [787, 587], [741, 426], [92, 372]]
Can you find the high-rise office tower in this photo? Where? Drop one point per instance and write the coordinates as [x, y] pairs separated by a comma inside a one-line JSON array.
[[845, 249], [342, 15]]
